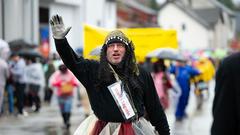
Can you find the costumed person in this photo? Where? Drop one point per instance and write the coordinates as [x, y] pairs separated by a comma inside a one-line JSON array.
[[64, 82], [183, 74], [162, 82], [119, 91]]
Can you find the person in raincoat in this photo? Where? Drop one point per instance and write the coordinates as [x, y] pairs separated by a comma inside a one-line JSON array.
[[4, 74], [183, 74], [64, 82], [119, 91], [205, 66]]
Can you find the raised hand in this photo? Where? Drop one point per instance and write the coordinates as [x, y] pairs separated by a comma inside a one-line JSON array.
[[58, 28]]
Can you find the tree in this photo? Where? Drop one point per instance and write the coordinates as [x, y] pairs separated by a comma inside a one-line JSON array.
[[154, 4], [229, 4]]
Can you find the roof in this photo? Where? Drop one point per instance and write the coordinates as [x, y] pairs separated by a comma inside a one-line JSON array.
[[210, 15], [223, 7], [189, 12]]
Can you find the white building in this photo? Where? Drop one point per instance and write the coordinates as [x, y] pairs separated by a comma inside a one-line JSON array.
[[19, 19], [22, 19], [200, 24]]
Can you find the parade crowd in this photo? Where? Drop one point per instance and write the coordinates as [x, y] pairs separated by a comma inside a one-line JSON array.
[[28, 82]]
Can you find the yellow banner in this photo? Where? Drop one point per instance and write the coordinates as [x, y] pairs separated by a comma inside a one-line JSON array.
[[145, 39]]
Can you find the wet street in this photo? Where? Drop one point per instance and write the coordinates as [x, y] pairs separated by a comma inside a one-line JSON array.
[[197, 122], [48, 121]]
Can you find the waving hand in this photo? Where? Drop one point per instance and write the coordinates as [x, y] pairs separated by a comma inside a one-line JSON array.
[[58, 28]]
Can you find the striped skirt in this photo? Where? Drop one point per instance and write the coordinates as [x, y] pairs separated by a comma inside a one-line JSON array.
[[92, 126]]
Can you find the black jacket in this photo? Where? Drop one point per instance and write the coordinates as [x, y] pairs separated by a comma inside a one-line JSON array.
[[226, 105], [101, 100]]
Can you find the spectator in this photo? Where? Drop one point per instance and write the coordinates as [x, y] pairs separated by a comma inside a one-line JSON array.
[[17, 69], [4, 74]]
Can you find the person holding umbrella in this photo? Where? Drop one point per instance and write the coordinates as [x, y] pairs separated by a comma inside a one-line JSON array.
[[17, 69], [162, 82], [119, 91]]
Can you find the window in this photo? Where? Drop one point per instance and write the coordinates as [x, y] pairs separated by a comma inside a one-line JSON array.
[[183, 27]]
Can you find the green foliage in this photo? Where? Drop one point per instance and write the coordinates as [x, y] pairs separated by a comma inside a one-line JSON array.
[[150, 3], [229, 4], [154, 4]]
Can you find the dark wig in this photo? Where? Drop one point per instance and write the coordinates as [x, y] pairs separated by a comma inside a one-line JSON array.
[[127, 69]]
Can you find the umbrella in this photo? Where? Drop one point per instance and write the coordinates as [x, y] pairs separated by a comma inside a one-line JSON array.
[[166, 53], [30, 53], [96, 51], [19, 44], [220, 53]]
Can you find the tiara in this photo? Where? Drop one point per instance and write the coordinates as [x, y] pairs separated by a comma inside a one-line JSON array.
[[118, 38]]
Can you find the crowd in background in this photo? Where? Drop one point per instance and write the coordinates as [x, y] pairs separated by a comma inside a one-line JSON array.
[[174, 81], [27, 82]]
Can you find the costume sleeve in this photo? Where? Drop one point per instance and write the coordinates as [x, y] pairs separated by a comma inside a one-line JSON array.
[[82, 68], [224, 105], [153, 107]]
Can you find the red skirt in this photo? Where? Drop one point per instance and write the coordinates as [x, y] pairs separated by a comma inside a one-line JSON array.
[[125, 128], [93, 126]]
